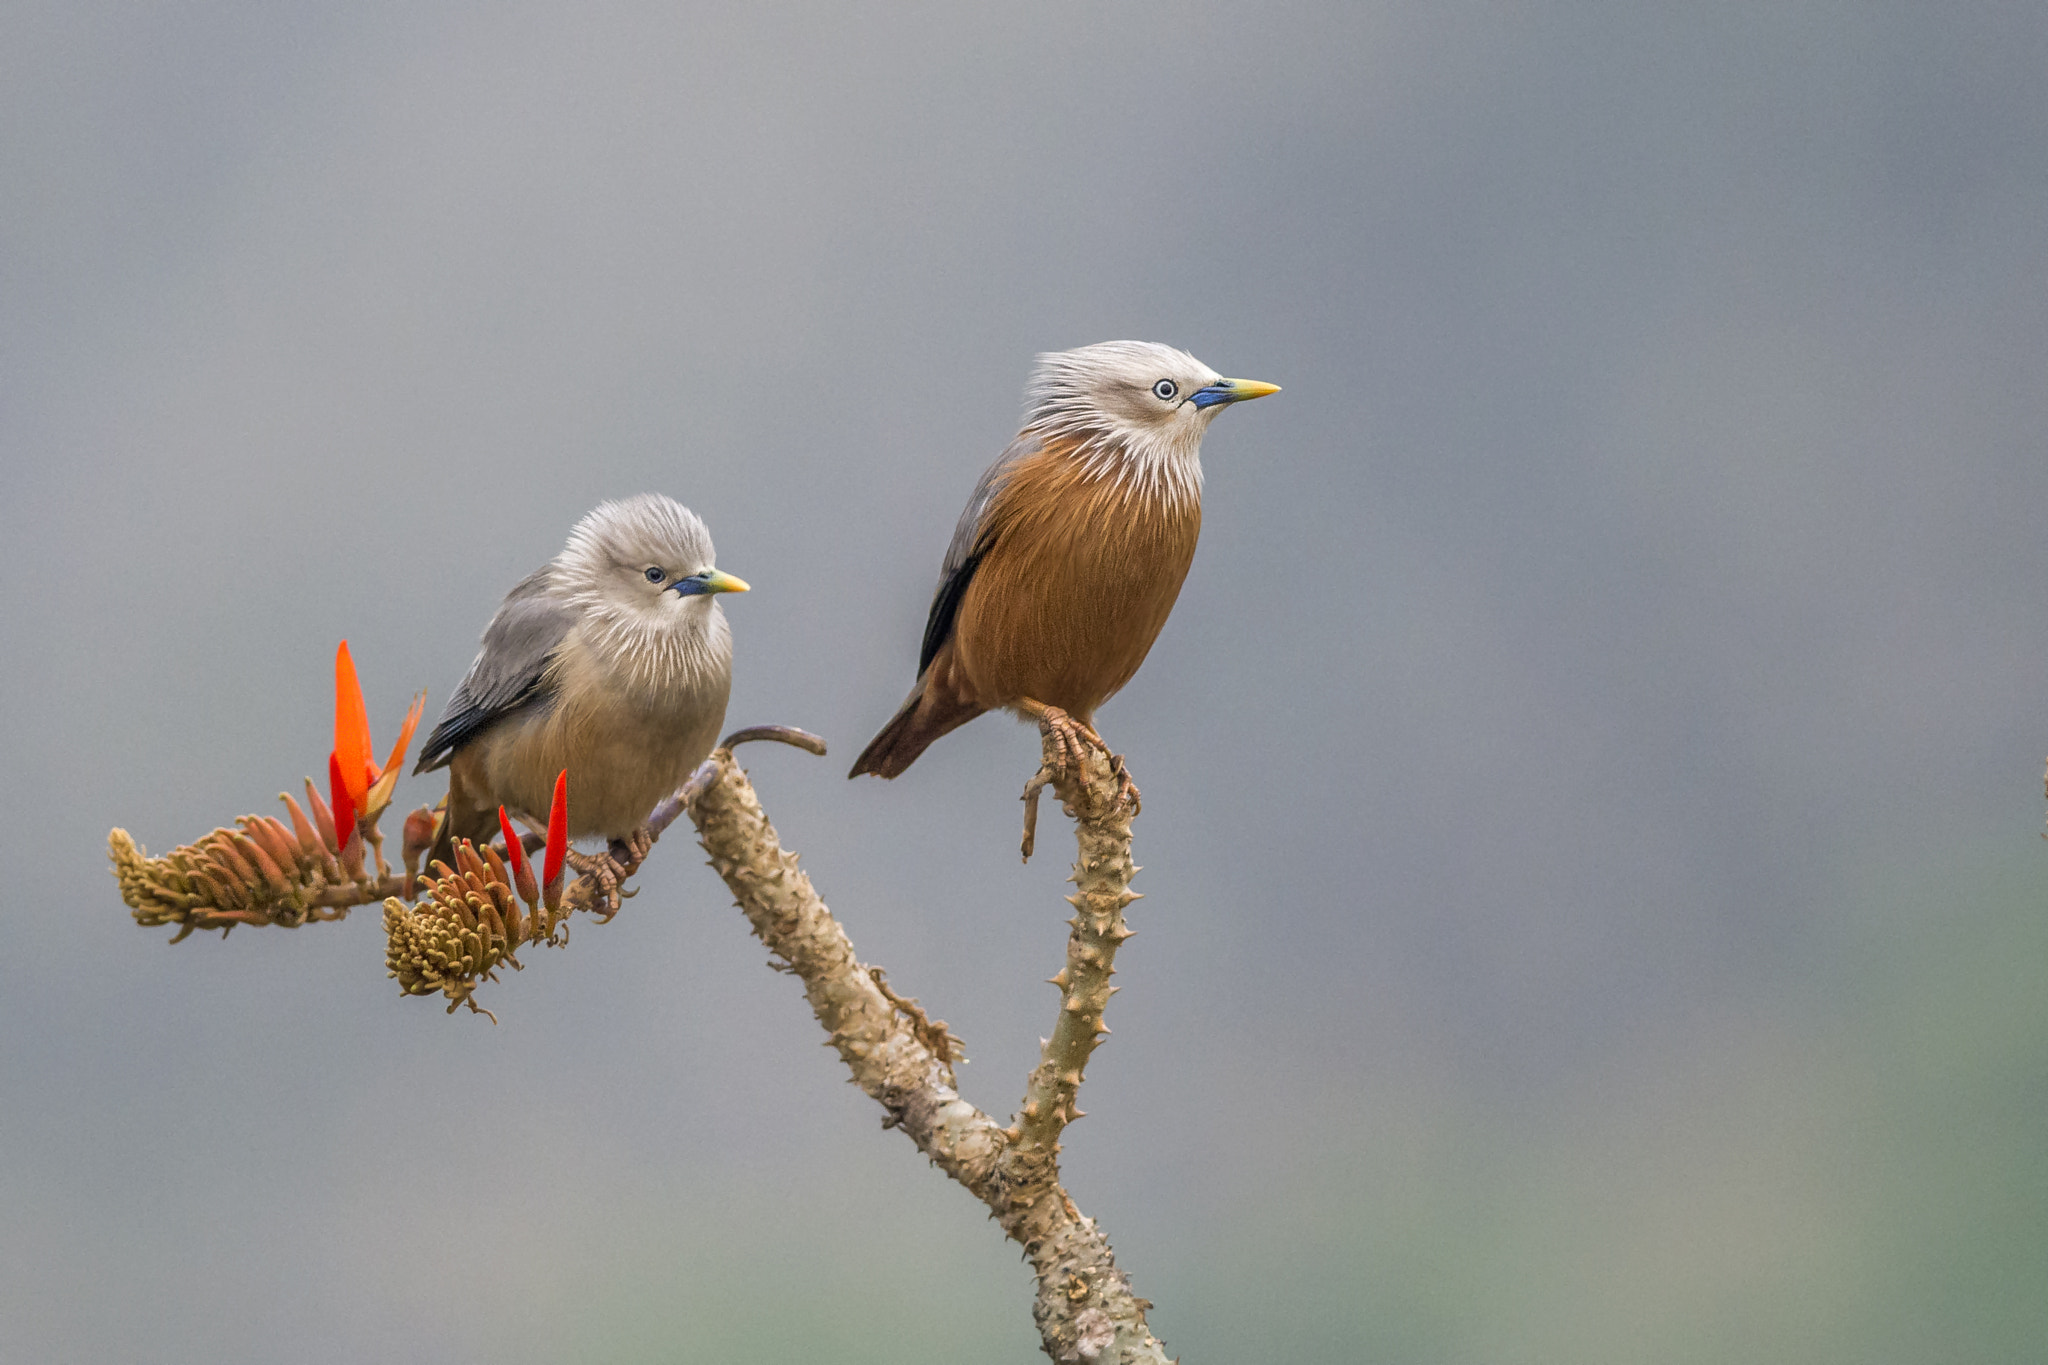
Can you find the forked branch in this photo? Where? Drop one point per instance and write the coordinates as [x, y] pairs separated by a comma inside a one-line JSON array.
[[1085, 1308]]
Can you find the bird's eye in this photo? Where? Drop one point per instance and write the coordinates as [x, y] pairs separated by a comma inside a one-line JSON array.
[[654, 574], [1164, 390]]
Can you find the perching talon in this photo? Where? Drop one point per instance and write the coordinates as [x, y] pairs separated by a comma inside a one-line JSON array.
[[606, 869], [1126, 789], [1066, 739]]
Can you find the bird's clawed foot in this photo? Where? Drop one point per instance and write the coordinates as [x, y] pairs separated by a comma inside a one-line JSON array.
[[635, 848], [1066, 739], [1067, 742], [1126, 790], [609, 869]]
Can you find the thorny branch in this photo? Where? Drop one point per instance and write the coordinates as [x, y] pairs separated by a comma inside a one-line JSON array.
[[1085, 1308]]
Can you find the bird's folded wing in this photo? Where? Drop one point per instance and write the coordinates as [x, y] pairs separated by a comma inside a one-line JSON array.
[[970, 542], [510, 670]]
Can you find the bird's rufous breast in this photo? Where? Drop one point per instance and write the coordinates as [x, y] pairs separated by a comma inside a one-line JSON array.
[[1081, 573]]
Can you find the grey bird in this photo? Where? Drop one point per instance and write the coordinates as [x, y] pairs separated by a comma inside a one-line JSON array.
[[613, 661]]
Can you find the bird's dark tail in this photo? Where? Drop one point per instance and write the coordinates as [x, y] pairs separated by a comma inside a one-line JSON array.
[[922, 718]]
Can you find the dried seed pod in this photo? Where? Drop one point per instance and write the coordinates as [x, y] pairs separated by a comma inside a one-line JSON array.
[[302, 827], [220, 846], [269, 874], [418, 838], [515, 851], [279, 840], [466, 924], [310, 838]]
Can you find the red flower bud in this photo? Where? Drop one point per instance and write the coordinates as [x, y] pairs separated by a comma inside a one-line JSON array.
[[515, 851], [351, 729], [345, 831], [344, 802], [558, 842]]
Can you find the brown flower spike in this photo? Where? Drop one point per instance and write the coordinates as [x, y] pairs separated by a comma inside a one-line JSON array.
[[469, 919], [256, 873]]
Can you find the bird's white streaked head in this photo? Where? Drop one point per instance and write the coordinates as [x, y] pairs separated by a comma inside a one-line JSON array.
[[1135, 408], [641, 571]]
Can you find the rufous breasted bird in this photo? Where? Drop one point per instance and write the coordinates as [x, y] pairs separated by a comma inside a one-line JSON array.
[[613, 662], [1071, 551]]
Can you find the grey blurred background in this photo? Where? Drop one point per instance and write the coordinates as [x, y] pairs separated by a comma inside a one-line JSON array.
[[1592, 777]]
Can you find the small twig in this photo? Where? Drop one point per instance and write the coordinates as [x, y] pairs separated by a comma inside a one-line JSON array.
[[781, 734], [933, 1033], [351, 894], [1030, 799], [375, 837]]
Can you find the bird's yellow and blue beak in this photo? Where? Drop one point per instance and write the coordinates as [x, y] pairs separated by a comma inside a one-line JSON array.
[[710, 581], [1231, 391]]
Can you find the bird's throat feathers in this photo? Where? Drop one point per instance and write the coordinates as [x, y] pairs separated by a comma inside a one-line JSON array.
[[657, 649], [1145, 464]]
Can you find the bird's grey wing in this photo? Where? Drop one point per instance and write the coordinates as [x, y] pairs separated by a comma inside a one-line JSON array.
[[509, 671], [971, 541]]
